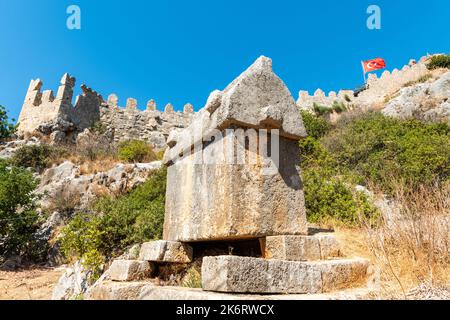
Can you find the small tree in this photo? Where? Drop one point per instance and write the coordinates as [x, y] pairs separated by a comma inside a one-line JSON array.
[[136, 151], [6, 128], [19, 220]]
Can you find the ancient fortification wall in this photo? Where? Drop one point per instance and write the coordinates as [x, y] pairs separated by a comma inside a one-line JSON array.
[[378, 88], [151, 124], [60, 118], [307, 101]]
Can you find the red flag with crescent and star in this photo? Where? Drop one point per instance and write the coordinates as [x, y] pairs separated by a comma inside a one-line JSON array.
[[374, 64]]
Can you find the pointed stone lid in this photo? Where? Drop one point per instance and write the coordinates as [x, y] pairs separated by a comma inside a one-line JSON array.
[[257, 98]]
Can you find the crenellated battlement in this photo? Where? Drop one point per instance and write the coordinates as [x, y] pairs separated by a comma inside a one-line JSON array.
[[319, 97], [44, 109], [132, 105], [379, 88], [391, 81]]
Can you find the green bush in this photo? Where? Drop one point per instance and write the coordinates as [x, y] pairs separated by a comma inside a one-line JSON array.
[[339, 107], [136, 151], [33, 156], [387, 151], [6, 128], [118, 223], [329, 191], [321, 110], [18, 217], [315, 127], [439, 61], [332, 196]]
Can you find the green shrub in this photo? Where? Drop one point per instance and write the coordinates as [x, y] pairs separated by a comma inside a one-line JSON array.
[[339, 107], [331, 196], [193, 277], [329, 191], [118, 223], [321, 110], [7, 129], [315, 127], [18, 217], [388, 151], [136, 151], [32, 156], [439, 61]]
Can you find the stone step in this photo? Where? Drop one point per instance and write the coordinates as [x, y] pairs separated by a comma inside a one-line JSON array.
[[130, 270], [320, 246], [255, 275], [166, 251], [109, 290]]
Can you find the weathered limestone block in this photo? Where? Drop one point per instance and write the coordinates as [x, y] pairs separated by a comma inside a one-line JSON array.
[[151, 105], [301, 248], [188, 108], [169, 108], [65, 90], [111, 290], [255, 275], [166, 251], [244, 193], [131, 104], [47, 96], [130, 270], [113, 100]]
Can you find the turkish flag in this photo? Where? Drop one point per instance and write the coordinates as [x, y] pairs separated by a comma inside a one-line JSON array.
[[374, 64]]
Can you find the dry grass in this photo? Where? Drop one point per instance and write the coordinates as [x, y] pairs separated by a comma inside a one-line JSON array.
[[410, 251], [99, 165], [413, 247]]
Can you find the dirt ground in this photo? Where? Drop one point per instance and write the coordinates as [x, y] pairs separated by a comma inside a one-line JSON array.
[[29, 284]]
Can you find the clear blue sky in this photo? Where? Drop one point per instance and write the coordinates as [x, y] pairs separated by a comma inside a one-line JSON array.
[[179, 51]]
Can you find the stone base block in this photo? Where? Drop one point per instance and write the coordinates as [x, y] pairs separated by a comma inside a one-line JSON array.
[[255, 275], [130, 270], [109, 290], [301, 248], [166, 251]]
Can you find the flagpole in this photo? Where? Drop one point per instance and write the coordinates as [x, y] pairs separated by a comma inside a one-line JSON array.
[[364, 72]]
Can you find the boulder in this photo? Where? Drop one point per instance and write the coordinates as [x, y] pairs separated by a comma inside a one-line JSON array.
[[74, 282]]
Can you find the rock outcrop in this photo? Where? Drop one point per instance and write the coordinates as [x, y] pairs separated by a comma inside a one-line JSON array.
[[427, 101]]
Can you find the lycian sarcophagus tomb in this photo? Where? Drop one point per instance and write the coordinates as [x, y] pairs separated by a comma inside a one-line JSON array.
[[234, 172]]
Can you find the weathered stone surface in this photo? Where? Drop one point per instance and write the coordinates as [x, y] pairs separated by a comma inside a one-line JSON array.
[[166, 251], [248, 101], [151, 105], [65, 180], [131, 104], [109, 290], [113, 100], [188, 108], [73, 282], [254, 275], [130, 270], [301, 248], [427, 101], [212, 195], [168, 108]]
